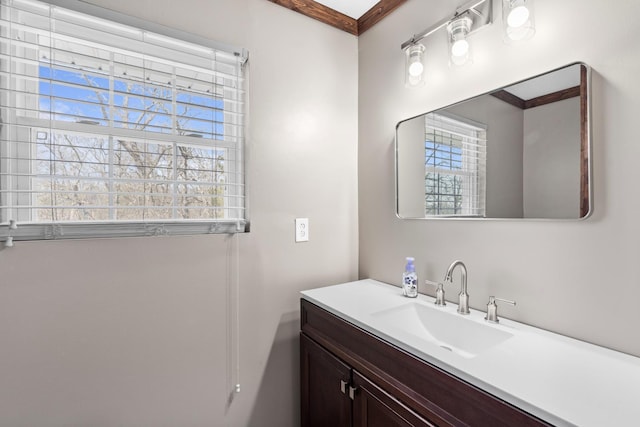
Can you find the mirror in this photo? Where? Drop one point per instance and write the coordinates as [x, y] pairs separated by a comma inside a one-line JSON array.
[[520, 151]]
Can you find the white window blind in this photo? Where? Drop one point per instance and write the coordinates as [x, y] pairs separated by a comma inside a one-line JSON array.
[[455, 166], [112, 129]]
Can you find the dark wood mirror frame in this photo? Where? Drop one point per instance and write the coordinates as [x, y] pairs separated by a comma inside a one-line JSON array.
[[581, 91]]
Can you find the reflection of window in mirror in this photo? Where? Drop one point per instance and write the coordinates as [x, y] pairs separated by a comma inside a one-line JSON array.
[[455, 166]]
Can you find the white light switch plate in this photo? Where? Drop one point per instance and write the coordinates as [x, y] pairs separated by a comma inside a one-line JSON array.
[[302, 229]]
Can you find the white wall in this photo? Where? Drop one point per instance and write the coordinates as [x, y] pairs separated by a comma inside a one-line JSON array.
[[133, 332], [577, 278], [552, 160]]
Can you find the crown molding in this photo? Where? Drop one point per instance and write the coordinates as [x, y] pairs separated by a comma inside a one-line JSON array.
[[332, 17]]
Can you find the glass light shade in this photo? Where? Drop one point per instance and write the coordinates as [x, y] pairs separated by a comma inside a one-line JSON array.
[[414, 72], [459, 47], [518, 20]]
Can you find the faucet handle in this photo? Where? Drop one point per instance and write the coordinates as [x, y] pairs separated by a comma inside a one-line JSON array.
[[492, 309], [440, 302]]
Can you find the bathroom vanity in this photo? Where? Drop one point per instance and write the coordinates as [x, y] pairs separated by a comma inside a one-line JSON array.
[[371, 357]]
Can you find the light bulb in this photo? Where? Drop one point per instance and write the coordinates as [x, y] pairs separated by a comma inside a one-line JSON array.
[[518, 16], [414, 66], [460, 48], [416, 69], [518, 20]]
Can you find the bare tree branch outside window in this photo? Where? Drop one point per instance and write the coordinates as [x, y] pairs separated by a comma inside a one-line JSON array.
[[85, 177]]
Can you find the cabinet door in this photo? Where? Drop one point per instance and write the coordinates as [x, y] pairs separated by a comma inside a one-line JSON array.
[[324, 387], [373, 407]]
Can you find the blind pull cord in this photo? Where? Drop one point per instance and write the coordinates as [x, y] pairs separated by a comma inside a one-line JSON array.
[[12, 226]]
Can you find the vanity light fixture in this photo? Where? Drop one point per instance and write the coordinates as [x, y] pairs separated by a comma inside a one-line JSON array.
[[517, 20], [466, 20], [414, 73]]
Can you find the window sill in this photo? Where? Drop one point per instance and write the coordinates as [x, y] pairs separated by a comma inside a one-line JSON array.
[[129, 229]]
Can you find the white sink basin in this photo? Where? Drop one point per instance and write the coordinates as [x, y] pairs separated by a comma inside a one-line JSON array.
[[450, 331]]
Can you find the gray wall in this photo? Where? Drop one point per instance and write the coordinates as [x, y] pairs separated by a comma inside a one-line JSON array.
[[411, 168], [552, 160], [577, 278], [133, 332]]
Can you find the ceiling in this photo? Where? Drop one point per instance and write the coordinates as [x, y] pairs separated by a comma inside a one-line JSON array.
[[352, 16], [547, 83], [352, 8]]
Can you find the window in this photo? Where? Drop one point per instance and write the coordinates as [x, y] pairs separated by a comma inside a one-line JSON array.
[[112, 129], [455, 164]]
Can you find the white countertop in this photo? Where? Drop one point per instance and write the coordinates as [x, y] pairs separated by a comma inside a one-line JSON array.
[[561, 380]]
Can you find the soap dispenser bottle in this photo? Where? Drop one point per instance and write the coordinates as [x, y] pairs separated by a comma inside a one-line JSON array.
[[410, 280]]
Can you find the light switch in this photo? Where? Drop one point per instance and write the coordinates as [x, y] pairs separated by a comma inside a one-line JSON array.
[[302, 229]]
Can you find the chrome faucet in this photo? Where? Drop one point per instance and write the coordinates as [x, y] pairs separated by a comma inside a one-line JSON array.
[[463, 296]]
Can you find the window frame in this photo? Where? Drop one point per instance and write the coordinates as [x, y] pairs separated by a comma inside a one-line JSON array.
[[70, 230], [473, 167]]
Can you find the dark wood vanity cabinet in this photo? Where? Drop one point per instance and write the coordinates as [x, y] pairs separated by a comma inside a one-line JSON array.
[[350, 377], [373, 407], [334, 394], [325, 385]]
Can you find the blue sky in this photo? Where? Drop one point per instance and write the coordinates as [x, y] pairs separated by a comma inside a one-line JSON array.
[[198, 114]]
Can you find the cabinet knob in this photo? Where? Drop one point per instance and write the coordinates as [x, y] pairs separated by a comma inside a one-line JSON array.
[[352, 392], [343, 386]]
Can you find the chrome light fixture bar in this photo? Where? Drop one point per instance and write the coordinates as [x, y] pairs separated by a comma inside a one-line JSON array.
[[480, 12]]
